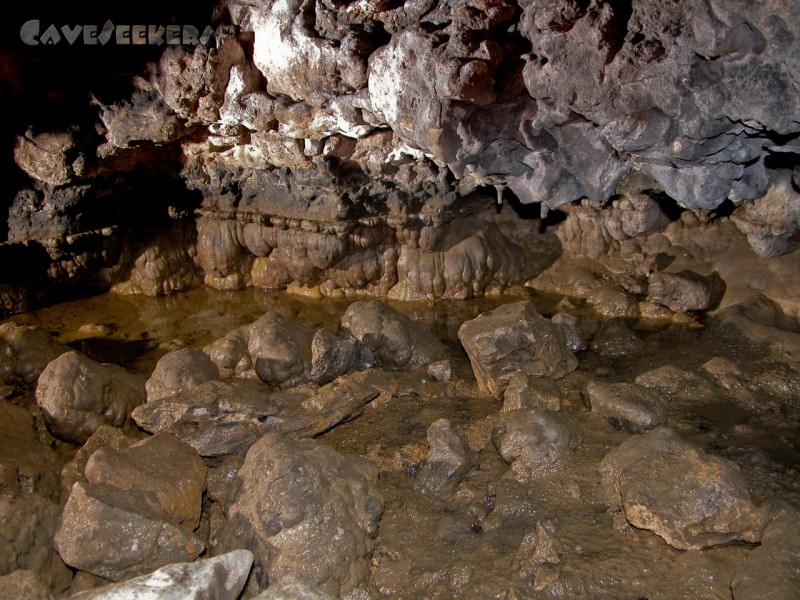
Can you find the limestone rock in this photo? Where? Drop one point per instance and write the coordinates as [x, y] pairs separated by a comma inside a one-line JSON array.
[[216, 418], [332, 356], [179, 371], [161, 465], [535, 442], [514, 337], [448, 460], [441, 370], [77, 395], [613, 303], [570, 327], [292, 588], [771, 220], [221, 577], [691, 499], [50, 157], [526, 391], [395, 341], [28, 524], [772, 571], [26, 351], [305, 511], [627, 406], [686, 290], [118, 534], [23, 585]]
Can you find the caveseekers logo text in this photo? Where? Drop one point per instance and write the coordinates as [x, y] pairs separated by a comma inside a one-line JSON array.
[[32, 34]]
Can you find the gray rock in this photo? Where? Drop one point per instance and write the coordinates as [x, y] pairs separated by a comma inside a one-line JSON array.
[[535, 442], [292, 588], [395, 341], [118, 534], [627, 406], [616, 339], [691, 499], [23, 585], [526, 391], [77, 395], [686, 290], [448, 460], [25, 352], [305, 511], [332, 356], [179, 371], [221, 577], [514, 337], [161, 465], [570, 327], [28, 524], [772, 571], [440, 370]]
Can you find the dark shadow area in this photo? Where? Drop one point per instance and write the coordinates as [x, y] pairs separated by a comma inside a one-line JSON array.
[[119, 352]]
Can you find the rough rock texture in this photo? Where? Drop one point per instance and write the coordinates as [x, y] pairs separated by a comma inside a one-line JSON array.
[[77, 395], [686, 290], [179, 371], [512, 338], [691, 499], [772, 571], [395, 341], [448, 460], [332, 356], [526, 391], [292, 588], [28, 524], [161, 465], [627, 406], [23, 585], [535, 442], [118, 534], [25, 352], [305, 510], [222, 577]]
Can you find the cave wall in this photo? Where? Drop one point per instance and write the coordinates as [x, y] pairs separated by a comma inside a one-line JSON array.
[[352, 145]]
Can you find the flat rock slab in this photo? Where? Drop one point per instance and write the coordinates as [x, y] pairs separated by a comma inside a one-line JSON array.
[[118, 534], [627, 406], [691, 499], [221, 578], [512, 338]]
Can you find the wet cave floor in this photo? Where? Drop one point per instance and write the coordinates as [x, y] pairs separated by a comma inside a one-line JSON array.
[[467, 543]]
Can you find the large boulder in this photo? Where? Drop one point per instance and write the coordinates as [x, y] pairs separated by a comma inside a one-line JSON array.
[[221, 578], [25, 352], [395, 341], [305, 511], [77, 395], [512, 338], [118, 534], [691, 499]]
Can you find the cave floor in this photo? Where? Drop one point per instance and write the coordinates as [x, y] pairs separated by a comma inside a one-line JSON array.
[[467, 544]]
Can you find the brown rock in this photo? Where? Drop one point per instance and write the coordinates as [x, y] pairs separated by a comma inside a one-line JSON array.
[[25, 352], [627, 406], [179, 371], [23, 585], [686, 290], [514, 337]]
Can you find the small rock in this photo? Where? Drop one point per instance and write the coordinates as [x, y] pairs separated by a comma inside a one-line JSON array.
[[511, 338], [538, 547], [689, 498], [570, 327], [221, 577], [178, 371], [525, 391], [305, 511], [118, 534], [332, 356], [535, 442], [23, 585], [613, 303], [772, 571], [162, 465], [726, 373], [293, 588], [616, 339], [280, 350], [448, 460], [686, 290], [440, 370], [627, 406], [396, 341], [77, 395]]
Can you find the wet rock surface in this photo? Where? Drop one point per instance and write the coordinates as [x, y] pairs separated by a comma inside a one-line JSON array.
[[628, 407], [305, 510]]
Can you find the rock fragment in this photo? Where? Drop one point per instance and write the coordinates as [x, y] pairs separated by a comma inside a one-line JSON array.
[[526, 391], [627, 406], [686, 291], [448, 460], [514, 337], [179, 371]]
